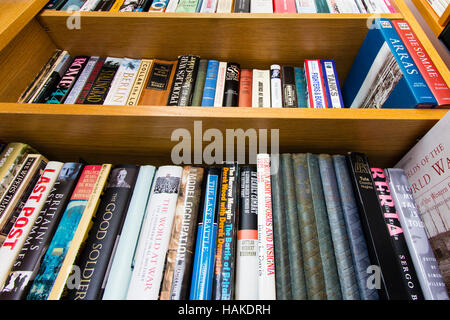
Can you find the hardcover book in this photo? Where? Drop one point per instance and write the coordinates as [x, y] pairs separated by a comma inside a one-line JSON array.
[[284, 6], [178, 79], [224, 268], [314, 84], [154, 238], [102, 84], [247, 237], [261, 6], [188, 5], [220, 84], [224, 6], [90, 81], [300, 86], [180, 254], [427, 171], [94, 259], [306, 6], [122, 83], [209, 91], [22, 227], [138, 85], [261, 89], [384, 75], [187, 88], [231, 89], [60, 256], [322, 6], [245, 88], [158, 84], [30, 257], [331, 84], [205, 247], [123, 261], [208, 6], [242, 6], [158, 6], [81, 81], [199, 83], [288, 87], [275, 86]]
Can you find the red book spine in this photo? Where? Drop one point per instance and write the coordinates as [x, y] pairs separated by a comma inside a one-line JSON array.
[[284, 6], [90, 81], [313, 70], [245, 88], [390, 6], [424, 63]]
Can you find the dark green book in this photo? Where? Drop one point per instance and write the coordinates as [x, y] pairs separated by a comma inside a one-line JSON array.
[[333, 288], [282, 273], [342, 252], [322, 6], [298, 285], [314, 277], [199, 83]]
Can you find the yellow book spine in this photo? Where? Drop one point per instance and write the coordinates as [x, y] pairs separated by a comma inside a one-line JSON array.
[[139, 82], [116, 6], [80, 234]]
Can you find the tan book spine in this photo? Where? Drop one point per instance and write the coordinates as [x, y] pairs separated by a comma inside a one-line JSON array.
[[139, 82]]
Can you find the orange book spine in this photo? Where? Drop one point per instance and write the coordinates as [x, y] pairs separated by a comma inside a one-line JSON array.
[[159, 83], [245, 88]]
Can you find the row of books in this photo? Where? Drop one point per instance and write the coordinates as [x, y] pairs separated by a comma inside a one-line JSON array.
[[227, 6], [295, 226], [186, 81]]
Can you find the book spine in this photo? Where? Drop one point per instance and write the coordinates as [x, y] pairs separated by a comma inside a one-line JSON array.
[[223, 281], [104, 5], [187, 88], [81, 81], [261, 88], [231, 89], [123, 80], [289, 89], [203, 268], [300, 86], [331, 277], [102, 84], [315, 86], [123, 260], [116, 5], [220, 85], [52, 81], [208, 6], [199, 83], [98, 248], [425, 263], [396, 235], [22, 227], [53, 4], [266, 266], [322, 6], [357, 241], [275, 86], [247, 237], [314, 278], [420, 89], [361, 7], [390, 6], [245, 88], [155, 235], [158, 6], [284, 6], [139, 82], [389, 282], [180, 75], [306, 6], [209, 90], [143, 6], [423, 61], [179, 261], [342, 252], [89, 5], [224, 6], [187, 6], [289, 229], [29, 259], [242, 6], [261, 6], [331, 84], [172, 6], [90, 81]]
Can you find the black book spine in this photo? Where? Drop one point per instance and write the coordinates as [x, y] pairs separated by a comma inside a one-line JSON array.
[[143, 5], [29, 259], [104, 5], [180, 75], [242, 6], [288, 87], [397, 237], [55, 4], [386, 276], [103, 236], [99, 90], [231, 90], [187, 89]]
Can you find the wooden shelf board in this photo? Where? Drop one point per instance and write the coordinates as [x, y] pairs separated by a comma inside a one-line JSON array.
[[429, 15]]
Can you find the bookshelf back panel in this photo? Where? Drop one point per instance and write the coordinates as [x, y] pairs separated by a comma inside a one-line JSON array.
[[253, 40]]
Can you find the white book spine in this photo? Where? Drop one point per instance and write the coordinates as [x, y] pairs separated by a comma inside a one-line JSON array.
[[352, 6], [275, 86], [361, 7], [328, 72], [172, 6], [154, 239], [261, 89], [266, 266], [209, 6], [78, 86], [305, 6], [122, 82], [224, 6], [220, 85], [261, 6], [24, 222], [89, 5], [370, 6]]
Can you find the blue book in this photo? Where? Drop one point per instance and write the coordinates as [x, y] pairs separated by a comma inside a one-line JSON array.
[[209, 91], [122, 265], [199, 6], [300, 84], [203, 270], [331, 84], [384, 75]]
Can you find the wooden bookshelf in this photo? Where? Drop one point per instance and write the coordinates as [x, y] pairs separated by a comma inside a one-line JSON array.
[[436, 23], [142, 134]]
